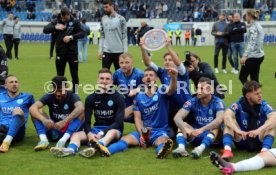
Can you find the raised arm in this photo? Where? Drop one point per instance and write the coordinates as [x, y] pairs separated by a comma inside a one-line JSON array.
[[145, 56], [173, 83]]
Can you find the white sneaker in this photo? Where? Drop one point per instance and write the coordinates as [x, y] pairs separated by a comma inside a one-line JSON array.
[[224, 71], [216, 70], [196, 153], [87, 153], [180, 152], [236, 72], [233, 70], [60, 144], [62, 152]]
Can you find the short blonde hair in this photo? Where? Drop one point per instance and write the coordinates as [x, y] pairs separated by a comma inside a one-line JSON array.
[[253, 13], [126, 55]]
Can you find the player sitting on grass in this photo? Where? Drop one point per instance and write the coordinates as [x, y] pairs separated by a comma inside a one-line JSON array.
[[108, 107], [150, 110], [207, 110], [247, 116], [171, 59], [14, 112], [66, 113]]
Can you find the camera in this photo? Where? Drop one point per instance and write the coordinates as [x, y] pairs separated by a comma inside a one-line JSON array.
[[187, 63]]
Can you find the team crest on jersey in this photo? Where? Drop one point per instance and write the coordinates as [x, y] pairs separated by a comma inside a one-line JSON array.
[[186, 104], [211, 112], [65, 107], [19, 101], [155, 98], [234, 106], [110, 103]]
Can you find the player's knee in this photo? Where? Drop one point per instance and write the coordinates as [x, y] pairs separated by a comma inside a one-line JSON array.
[[113, 132]]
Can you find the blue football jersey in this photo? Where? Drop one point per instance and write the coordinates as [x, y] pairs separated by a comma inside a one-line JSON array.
[[60, 110], [154, 110], [3, 89], [182, 94], [204, 114], [242, 117], [128, 83], [7, 105]]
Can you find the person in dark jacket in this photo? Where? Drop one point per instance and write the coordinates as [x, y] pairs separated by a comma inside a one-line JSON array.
[[67, 31], [220, 32], [144, 29], [198, 69], [3, 69], [236, 33]]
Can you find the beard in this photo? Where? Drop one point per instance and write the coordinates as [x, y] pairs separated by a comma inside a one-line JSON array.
[[107, 13]]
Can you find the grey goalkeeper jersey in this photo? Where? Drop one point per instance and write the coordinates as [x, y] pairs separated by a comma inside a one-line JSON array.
[[8, 26], [255, 37], [113, 34]]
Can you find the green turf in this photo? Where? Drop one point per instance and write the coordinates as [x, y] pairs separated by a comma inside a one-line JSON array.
[[34, 69]]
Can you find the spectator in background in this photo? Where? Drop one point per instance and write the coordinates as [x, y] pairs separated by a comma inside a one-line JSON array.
[[170, 34], [8, 25], [91, 37], [254, 54], [230, 52], [220, 32], [144, 29], [193, 36], [165, 10], [236, 33], [99, 36], [178, 36], [178, 6], [198, 34], [187, 37], [16, 36], [98, 15], [31, 16], [82, 42]]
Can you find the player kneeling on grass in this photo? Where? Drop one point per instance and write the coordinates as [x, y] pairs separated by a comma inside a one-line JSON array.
[[245, 120], [66, 113], [207, 110], [14, 112], [150, 110], [108, 107]]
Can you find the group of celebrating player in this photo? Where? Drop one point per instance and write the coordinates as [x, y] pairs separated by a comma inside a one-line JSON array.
[[201, 120]]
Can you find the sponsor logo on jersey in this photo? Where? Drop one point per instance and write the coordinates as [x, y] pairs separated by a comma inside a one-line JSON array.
[[19, 101]]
